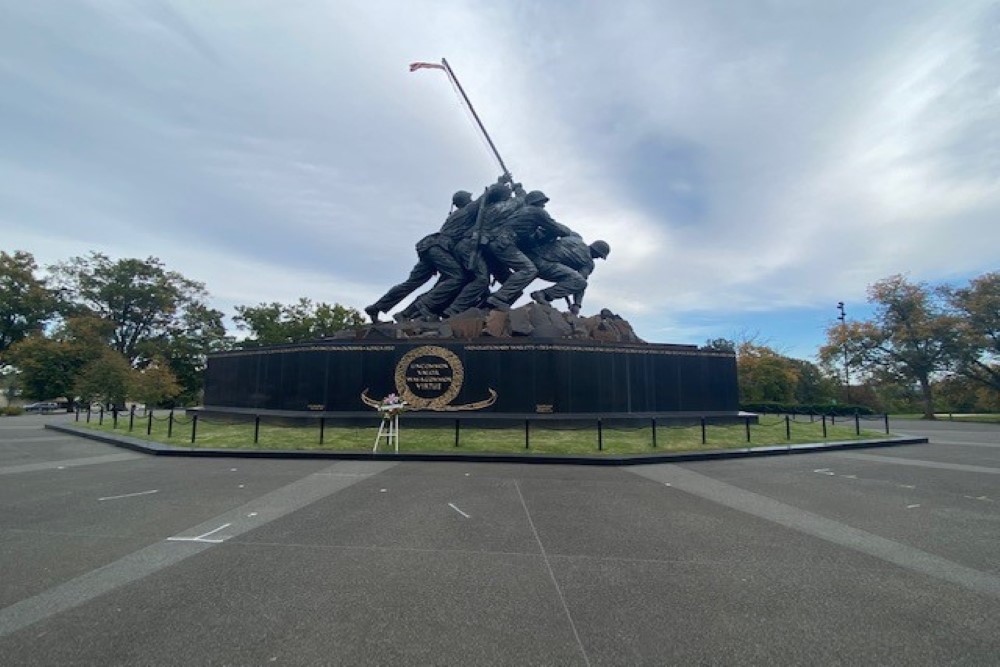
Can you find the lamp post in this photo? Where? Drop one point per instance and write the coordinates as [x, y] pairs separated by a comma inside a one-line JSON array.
[[847, 368]]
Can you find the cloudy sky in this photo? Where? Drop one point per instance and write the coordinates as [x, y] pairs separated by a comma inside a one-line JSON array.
[[750, 163]]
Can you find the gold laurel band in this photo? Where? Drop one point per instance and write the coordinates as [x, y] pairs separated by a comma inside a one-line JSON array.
[[370, 402], [478, 405]]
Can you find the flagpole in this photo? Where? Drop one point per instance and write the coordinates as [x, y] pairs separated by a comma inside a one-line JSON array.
[[496, 153]]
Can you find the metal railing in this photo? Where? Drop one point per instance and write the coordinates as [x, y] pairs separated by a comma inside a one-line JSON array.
[[660, 432]]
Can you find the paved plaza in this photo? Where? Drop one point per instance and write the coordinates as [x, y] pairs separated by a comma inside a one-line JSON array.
[[114, 557]]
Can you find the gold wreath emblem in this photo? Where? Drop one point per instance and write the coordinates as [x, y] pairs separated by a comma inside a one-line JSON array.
[[440, 403], [457, 377]]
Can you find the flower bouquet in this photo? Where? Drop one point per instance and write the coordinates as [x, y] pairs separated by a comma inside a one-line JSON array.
[[392, 406]]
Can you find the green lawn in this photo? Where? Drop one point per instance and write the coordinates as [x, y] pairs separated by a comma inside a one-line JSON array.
[[542, 439]]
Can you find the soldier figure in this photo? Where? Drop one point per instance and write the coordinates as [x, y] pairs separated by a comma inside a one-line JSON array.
[[507, 237], [434, 257], [498, 205], [567, 262]]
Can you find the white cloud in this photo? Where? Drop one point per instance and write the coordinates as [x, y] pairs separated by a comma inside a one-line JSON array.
[[738, 158]]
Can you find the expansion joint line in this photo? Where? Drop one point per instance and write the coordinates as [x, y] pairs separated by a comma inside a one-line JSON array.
[[552, 575]]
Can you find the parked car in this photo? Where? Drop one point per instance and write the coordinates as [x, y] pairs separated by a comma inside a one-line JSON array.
[[41, 407]]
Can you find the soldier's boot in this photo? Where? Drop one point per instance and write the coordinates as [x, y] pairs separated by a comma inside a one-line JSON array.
[[426, 315], [540, 298], [373, 312], [496, 304]]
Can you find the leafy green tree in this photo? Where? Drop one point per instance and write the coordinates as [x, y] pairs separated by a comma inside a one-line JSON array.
[[155, 385], [141, 299], [26, 303], [764, 375], [977, 308], [106, 379], [956, 393], [910, 339], [275, 323], [49, 366], [185, 348], [812, 386]]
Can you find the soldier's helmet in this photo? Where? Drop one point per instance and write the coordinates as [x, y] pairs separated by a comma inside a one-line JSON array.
[[461, 198], [600, 249], [497, 193], [535, 197]]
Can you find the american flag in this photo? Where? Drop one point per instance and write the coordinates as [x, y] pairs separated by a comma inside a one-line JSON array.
[[415, 66]]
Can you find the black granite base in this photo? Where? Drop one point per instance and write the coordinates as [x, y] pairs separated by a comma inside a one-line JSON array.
[[502, 377]]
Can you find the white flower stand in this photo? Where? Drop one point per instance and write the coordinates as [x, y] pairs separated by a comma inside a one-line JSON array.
[[388, 429]]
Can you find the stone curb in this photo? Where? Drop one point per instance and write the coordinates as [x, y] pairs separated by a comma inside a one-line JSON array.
[[158, 449]]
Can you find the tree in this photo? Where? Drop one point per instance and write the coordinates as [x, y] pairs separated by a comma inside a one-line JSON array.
[[185, 348], [764, 375], [910, 338], [141, 299], [276, 323], [977, 308], [813, 387], [957, 393], [155, 385], [49, 366], [106, 379], [26, 304]]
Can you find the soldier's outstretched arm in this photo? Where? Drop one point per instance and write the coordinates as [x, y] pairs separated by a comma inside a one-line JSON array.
[[556, 228]]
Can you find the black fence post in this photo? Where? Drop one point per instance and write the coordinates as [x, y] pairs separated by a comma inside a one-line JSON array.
[[788, 428], [704, 436], [747, 424], [887, 423], [170, 424], [88, 414], [457, 428], [256, 428], [322, 428], [77, 413], [149, 422], [833, 419], [100, 417], [527, 430], [654, 432], [131, 418], [600, 436], [812, 417], [824, 427], [194, 427], [114, 417], [857, 423]]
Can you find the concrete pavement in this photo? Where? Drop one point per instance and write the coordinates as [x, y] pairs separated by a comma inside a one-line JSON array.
[[883, 556]]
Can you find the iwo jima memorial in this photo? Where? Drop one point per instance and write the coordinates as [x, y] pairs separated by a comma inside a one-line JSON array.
[[460, 349]]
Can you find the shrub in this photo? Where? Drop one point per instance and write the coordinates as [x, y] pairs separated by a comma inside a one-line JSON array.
[[774, 407], [11, 411]]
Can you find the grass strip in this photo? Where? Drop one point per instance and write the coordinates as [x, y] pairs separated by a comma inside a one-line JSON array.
[[543, 439]]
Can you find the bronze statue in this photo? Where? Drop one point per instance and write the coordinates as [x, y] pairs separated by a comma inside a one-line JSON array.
[[567, 262], [434, 256], [505, 235], [492, 239], [506, 238]]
